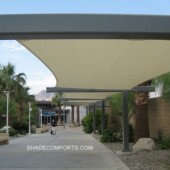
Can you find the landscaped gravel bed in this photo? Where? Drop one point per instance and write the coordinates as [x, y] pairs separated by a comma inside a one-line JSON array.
[[143, 160]]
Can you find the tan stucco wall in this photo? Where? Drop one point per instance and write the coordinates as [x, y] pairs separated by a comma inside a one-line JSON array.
[[159, 117]]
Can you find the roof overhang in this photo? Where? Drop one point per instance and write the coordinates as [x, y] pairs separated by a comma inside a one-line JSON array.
[[84, 26]]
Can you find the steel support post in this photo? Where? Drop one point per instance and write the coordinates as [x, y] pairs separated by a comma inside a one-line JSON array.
[[72, 115], [64, 116], [87, 110], [94, 119], [103, 116], [41, 117], [78, 116], [29, 118], [125, 122], [7, 113]]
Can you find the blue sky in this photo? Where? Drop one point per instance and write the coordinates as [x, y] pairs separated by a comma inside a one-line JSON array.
[[86, 6], [38, 76]]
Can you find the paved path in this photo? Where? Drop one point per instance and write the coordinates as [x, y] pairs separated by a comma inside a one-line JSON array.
[[69, 149]]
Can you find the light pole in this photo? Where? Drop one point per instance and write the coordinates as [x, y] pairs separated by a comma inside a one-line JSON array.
[[7, 93], [30, 109], [64, 116], [41, 117]]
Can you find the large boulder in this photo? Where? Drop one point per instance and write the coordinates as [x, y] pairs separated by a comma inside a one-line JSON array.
[[144, 144]]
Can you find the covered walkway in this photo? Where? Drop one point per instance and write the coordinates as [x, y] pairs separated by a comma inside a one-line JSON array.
[[95, 51], [74, 151]]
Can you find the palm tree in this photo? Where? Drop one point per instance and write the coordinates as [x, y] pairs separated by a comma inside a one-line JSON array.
[[10, 81], [22, 98], [141, 102], [142, 119], [14, 82], [6, 75], [20, 78], [162, 83], [57, 102], [141, 99]]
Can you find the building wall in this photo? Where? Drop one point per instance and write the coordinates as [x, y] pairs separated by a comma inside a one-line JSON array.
[[159, 117]]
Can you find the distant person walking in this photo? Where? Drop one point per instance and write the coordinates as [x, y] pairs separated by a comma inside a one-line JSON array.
[[53, 127]]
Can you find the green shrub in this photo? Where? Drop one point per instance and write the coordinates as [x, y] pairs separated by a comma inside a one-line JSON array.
[[115, 135], [87, 123], [111, 136], [164, 143], [20, 127], [108, 136], [119, 137], [12, 132]]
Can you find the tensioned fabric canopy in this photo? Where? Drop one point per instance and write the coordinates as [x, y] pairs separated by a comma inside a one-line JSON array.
[[94, 51], [102, 64]]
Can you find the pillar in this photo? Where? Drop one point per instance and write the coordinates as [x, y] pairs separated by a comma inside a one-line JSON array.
[[103, 117], [125, 122], [72, 116], [87, 110], [94, 119], [78, 116]]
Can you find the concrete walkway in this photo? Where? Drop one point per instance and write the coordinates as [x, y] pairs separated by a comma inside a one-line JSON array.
[[69, 149]]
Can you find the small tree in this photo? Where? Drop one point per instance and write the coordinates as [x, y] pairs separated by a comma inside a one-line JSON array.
[[57, 102], [115, 114], [115, 102]]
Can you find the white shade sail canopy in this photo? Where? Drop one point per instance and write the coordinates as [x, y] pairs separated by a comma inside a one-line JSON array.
[[101, 63]]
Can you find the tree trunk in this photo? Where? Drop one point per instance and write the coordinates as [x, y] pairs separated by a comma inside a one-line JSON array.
[[59, 116], [142, 122], [21, 110], [142, 119]]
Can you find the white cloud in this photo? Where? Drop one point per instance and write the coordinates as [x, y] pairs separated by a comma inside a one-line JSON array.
[[38, 85], [38, 74], [11, 45]]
